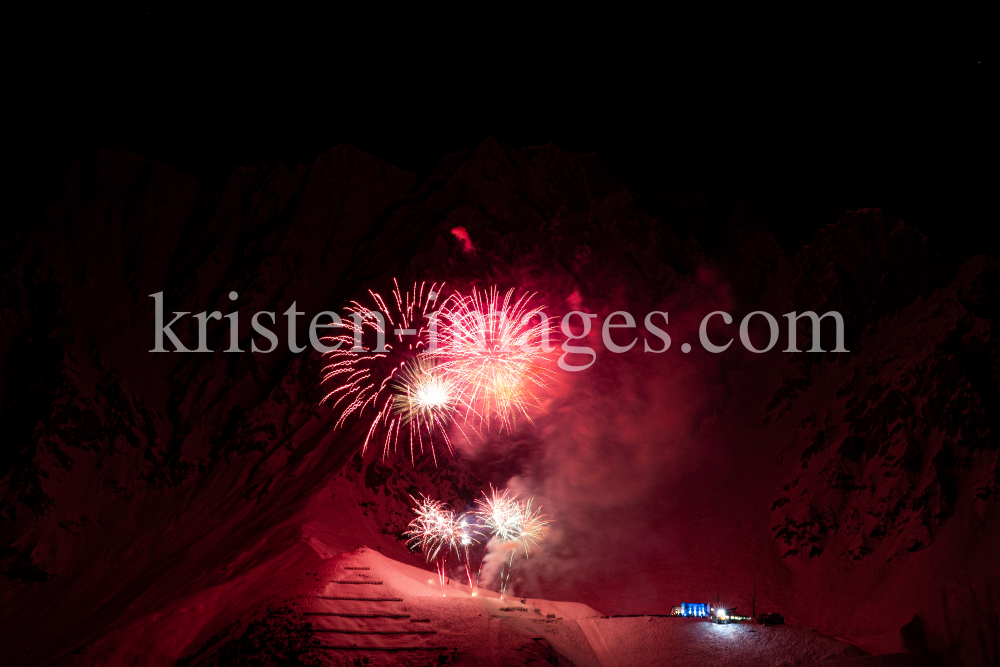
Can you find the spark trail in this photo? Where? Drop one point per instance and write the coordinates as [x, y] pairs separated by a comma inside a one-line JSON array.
[[395, 384], [499, 347], [438, 533], [513, 525]]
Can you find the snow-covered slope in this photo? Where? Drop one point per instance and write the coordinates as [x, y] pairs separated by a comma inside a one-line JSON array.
[[361, 606]]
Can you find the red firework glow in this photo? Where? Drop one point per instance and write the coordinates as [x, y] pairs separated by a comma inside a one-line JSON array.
[[498, 348], [482, 368], [394, 381]]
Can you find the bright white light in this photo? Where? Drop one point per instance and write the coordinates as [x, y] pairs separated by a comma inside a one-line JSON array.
[[433, 394]]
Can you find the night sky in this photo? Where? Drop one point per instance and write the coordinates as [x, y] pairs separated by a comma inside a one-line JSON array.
[[806, 115]]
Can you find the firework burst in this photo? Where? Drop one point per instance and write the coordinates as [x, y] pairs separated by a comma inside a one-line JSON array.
[[498, 347], [431, 529], [439, 532], [512, 521], [501, 514], [423, 393], [470, 535], [513, 524], [394, 384]]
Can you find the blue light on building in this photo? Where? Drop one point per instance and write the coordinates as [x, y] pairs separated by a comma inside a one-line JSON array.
[[689, 609]]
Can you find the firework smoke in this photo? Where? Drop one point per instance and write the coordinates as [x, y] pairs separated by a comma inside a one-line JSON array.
[[513, 525], [618, 453]]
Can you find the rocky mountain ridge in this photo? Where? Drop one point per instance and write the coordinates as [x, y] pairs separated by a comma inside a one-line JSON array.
[[124, 472]]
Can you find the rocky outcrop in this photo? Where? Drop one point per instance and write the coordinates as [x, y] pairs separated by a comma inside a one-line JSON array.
[[908, 430]]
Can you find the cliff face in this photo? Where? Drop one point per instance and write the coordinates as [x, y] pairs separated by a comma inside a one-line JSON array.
[[908, 429], [178, 489], [889, 462]]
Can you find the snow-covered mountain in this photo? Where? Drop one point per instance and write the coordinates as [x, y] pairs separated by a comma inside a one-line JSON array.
[[151, 501]]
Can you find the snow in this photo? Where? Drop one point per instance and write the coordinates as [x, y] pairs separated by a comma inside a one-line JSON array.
[[487, 630], [684, 641]]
